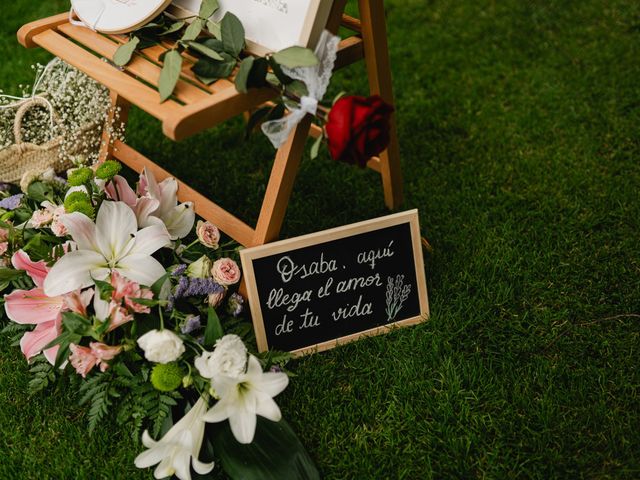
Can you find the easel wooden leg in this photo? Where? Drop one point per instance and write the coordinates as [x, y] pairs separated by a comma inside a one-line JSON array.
[[116, 123], [376, 52], [283, 175]]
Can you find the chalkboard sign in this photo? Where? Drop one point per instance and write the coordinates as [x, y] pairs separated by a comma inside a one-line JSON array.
[[314, 292]]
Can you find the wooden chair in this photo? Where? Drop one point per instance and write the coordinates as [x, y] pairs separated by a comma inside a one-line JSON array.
[[195, 107]]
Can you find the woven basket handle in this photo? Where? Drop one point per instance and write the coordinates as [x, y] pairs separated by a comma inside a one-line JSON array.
[[24, 108]]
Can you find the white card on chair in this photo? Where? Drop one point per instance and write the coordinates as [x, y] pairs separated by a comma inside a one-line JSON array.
[[272, 25], [117, 16]]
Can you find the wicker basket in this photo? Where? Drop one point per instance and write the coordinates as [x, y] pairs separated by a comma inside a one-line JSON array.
[[22, 157]]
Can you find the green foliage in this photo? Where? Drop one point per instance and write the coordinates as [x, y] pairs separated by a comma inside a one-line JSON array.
[[213, 331], [296, 57], [170, 74], [42, 373], [125, 52], [232, 33]]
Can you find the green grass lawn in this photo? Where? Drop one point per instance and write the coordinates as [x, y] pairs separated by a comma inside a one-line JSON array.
[[519, 126]]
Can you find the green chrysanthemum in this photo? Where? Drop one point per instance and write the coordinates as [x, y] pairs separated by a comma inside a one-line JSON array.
[[166, 377], [75, 197], [80, 176], [82, 207], [108, 170]]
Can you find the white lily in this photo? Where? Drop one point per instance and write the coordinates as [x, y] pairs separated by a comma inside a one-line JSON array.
[[112, 243], [160, 202], [178, 446], [246, 396]]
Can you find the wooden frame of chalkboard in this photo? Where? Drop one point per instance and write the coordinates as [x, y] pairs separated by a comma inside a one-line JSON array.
[[379, 262]]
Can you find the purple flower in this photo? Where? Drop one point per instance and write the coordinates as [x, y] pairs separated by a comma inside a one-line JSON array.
[[12, 202], [192, 323], [179, 270]]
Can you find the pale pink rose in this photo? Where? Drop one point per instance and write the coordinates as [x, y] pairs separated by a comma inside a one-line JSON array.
[[225, 271], [104, 352], [208, 234], [82, 359], [58, 228], [4, 246], [215, 299], [41, 217]]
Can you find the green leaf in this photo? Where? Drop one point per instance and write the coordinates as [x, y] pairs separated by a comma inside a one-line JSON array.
[[297, 88], [207, 68], [214, 29], [156, 288], [213, 44], [39, 192], [276, 112], [232, 33], [277, 70], [193, 30], [104, 289], [208, 8], [174, 27], [204, 50], [275, 453], [170, 74], [213, 331], [75, 323], [125, 52], [242, 77], [258, 73], [9, 274], [296, 57], [315, 148]]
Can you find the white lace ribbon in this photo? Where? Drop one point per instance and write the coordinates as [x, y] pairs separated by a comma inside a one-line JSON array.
[[316, 78]]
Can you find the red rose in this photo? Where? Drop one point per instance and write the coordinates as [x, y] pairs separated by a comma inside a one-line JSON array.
[[358, 128]]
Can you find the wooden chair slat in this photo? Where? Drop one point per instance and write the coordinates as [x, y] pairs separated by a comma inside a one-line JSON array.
[[27, 32], [138, 66], [128, 87], [213, 110], [350, 50]]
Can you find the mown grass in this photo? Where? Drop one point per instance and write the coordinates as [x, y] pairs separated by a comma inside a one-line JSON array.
[[519, 130]]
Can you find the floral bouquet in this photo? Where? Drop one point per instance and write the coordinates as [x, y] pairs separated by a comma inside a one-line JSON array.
[[112, 289]]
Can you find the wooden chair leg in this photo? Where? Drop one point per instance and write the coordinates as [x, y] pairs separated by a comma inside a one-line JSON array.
[[283, 175], [116, 123], [376, 52]]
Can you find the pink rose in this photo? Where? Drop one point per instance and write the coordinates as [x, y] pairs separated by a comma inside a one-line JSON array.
[[208, 234], [4, 246], [41, 218], [225, 271]]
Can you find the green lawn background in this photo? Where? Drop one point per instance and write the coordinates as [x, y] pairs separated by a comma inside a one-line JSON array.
[[519, 127]]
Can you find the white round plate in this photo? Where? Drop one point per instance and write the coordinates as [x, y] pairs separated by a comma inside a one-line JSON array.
[[117, 16]]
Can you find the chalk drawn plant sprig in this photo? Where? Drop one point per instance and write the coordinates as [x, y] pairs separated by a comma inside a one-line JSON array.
[[397, 294]]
